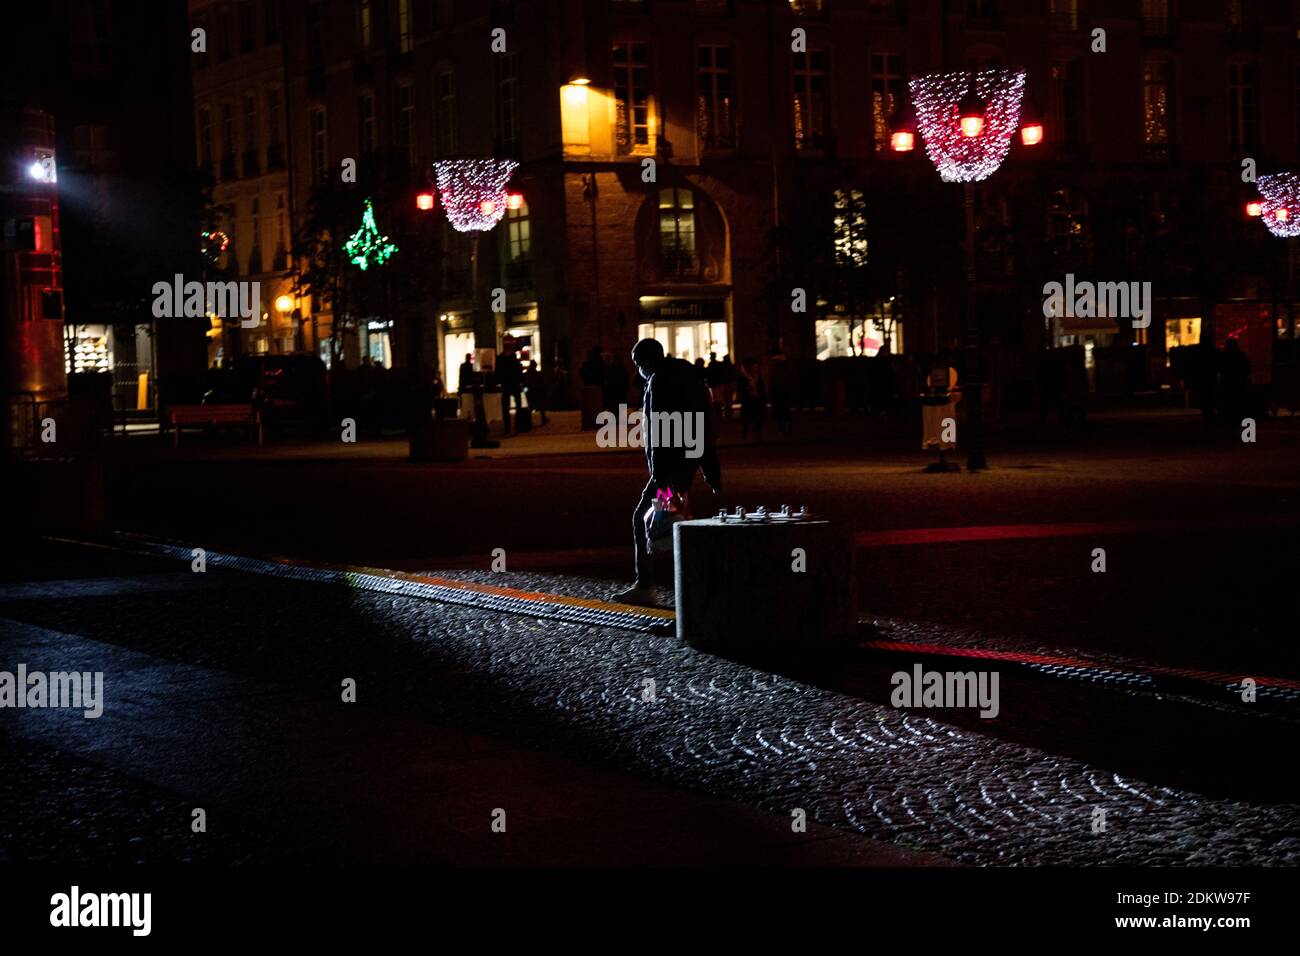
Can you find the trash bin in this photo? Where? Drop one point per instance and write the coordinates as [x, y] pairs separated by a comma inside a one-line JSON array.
[[764, 582], [440, 439]]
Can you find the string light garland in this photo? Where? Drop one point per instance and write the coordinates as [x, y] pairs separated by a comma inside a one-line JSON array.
[[367, 247], [963, 157], [1280, 209], [212, 243], [474, 191]]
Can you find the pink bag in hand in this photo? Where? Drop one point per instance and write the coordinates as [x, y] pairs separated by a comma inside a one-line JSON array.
[[667, 509]]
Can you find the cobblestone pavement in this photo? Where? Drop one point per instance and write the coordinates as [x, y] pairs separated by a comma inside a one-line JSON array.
[[938, 781]]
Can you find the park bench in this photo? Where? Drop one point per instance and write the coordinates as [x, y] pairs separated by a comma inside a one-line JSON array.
[[212, 416]]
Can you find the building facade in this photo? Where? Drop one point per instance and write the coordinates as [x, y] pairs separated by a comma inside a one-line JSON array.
[[689, 167]]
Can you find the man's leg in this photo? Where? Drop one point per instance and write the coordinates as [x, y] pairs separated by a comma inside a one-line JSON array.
[[644, 563]]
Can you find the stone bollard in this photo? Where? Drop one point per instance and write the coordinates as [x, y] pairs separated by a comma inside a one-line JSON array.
[[764, 581]]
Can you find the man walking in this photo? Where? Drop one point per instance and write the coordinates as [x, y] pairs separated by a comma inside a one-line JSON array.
[[672, 386]]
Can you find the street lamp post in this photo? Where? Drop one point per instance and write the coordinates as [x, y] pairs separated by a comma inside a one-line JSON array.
[[475, 199], [967, 120]]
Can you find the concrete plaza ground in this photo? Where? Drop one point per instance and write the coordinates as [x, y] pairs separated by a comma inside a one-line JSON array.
[[223, 688]]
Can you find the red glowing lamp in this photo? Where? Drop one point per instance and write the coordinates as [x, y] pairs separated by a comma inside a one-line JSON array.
[[1282, 215], [903, 141], [515, 201], [424, 201], [1254, 208], [1032, 134], [970, 110], [488, 206]]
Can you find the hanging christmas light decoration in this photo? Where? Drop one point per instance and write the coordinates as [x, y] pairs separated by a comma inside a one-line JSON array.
[[962, 149], [213, 243], [367, 247], [1280, 209], [474, 191]]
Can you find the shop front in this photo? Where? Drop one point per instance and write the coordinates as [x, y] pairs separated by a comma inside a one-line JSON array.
[[687, 328]]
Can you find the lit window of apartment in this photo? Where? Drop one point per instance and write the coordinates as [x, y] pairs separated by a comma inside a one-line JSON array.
[[887, 92], [810, 99], [807, 8], [403, 26], [715, 108], [445, 108], [677, 255], [1067, 100], [507, 104], [631, 63], [1157, 83], [364, 23], [404, 133], [319, 150], [1243, 131], [518, 234], [366, 123], [850, 228]]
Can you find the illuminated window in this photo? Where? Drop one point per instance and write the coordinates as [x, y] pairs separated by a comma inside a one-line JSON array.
[[363, 23], [886, 94], [518, 234], [677, 232], [850, 225], [806, 8], [403, 26], [631, 96], [1156, 77], [714, 109], [810, 101]]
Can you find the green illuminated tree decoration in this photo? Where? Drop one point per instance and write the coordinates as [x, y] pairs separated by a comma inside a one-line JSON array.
[[367, 247]]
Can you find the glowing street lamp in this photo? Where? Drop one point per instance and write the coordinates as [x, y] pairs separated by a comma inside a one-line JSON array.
[[970, 112]]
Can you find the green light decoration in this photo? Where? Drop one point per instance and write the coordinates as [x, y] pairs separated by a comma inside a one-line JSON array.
[[367, 247]]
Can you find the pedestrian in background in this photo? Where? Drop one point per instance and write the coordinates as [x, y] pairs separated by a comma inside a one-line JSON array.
[[538, 389], [752, 392]]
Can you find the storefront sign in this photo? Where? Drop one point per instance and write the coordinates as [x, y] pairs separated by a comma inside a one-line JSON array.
[[684, 310]]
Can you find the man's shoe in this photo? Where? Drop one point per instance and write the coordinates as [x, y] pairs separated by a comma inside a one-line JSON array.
[[637, 595]]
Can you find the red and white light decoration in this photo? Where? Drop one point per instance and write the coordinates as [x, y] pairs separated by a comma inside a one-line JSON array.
[[963, 145], [1280, 207], [474, 191]]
